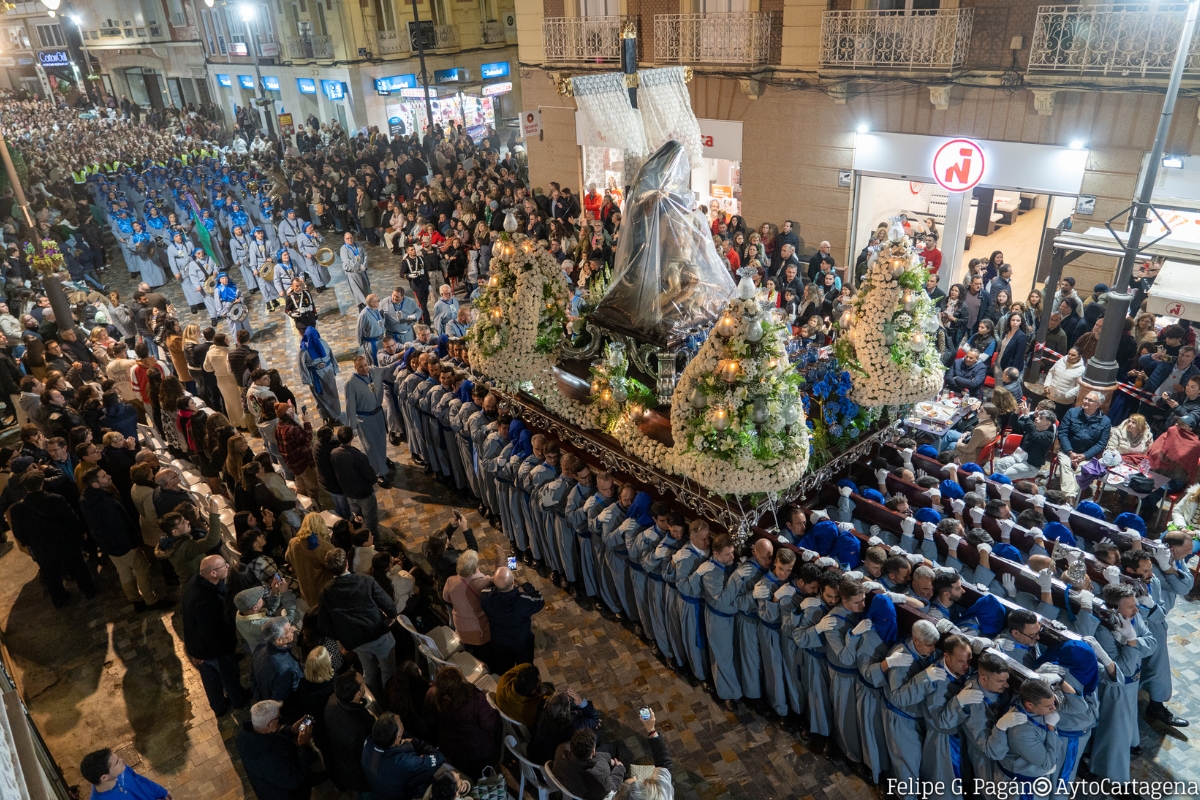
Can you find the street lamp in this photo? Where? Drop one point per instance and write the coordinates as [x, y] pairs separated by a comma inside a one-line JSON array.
[[248, 14]]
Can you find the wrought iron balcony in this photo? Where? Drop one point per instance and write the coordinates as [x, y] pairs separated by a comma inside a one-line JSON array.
[[583, 38], [492, 32], [445, 37], [393, 42], [1110, 40], [320, 47], [935, 39], [716, 38]]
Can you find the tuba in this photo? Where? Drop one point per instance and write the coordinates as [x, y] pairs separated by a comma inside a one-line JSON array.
[[252, 187], [324, 256], [267, 271], [210, 284]]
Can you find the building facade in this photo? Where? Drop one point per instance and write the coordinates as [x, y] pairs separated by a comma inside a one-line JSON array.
[[832, 114]]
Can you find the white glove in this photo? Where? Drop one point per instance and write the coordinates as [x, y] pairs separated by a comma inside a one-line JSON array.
[[781, 539], [1112, 574], [825, 562], [927, 528], [952, 469], [1005, 490], [982, 588], [907, 454], [958, 505], [899, 659], [872, 586], [898, 598], [935, 673], [1010, 585], [1051, 719], [1039, 501], [787, 590], [1011, 719], [816, 516], [1108, 540], [1101, 655], [916, 559], [944, 626], [970, 697], [844, 491], [852, 575], [810, 603], [896, 550], [1132, 533], [875, 531], [706, 567], [907, 524], [874, 541], [808, 555], [1050, 678], [1146, 601], [1126, 633], [1051, 669], [1162, 556], [881, 476], [983, 548], [952, 543], [862, 627], [1087, 600], [762, 591], [977, 515], [845, 526], [935, 495], [1045, 580], [826, 624], [981, 643], [1006, 527]]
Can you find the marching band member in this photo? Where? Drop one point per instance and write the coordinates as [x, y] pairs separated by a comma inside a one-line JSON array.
[[179, 254], [354, 264], [299, 304], [228, 295], [140, 243], [308, 244], [198, 271], [259, 253], [289, 232], [239, 251]]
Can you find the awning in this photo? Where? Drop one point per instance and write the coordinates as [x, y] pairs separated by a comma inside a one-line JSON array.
[[1176, 291], [1101, 242]]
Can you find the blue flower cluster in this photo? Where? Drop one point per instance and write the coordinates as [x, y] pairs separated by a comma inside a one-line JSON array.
[[839, 413]]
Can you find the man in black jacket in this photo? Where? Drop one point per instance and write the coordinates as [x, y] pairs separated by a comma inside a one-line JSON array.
[[510, 611], [356, 477], [47, 525], [356, 611], [240, 355], [398, 768], [210, 636], [118, 536], [327, 477], [349, 724], [10, 381], [278, 760]]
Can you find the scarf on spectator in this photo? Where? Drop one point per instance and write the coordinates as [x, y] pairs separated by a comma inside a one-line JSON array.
[[1176, 451]]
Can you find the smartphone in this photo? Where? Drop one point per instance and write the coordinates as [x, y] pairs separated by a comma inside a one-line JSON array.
[[512, 562], [644, 712]]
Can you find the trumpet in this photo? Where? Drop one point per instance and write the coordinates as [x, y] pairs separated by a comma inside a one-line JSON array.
[[324, 256], [267, 271], [210, 284], [252, 187]]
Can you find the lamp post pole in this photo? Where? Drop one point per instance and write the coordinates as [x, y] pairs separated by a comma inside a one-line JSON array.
[[424, 77], [252, 43], [1102, 369]]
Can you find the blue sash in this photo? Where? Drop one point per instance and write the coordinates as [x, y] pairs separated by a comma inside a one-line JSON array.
[[1072, 754], [956, 755], [895, 710], [701, 633]]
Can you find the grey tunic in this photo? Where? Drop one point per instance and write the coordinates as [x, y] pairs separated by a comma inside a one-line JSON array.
[[354, 264], [322, 374], [364, 412]]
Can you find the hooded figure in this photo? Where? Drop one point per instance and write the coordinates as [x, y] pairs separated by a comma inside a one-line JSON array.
[[873, 647], [227, 297], [318, 371]]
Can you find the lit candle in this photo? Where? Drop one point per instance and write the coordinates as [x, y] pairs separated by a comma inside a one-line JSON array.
[[720, 419], [497, 314], [635, 411], [728, 370], [699, 399], [727, 325], [595, 387], [606, 396], [494, 281]]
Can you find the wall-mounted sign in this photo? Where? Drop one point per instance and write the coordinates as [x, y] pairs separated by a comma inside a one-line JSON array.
[[958, 165], [54, 58], [427, 35], [270, 83], [286, 126], [452, 75], [845, 177], [334, 90], [306, 86], [1085, 205], [24, 61], [268, 49], [531, 123], [246, 81], [395, 83], [498, 69], [238, 49], [224, 80], [497, 88], [395, 126], [418, 92]]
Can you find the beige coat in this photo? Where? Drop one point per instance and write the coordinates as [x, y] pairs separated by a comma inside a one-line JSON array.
[[310, 567], [470, 622], [216, 361], [968, 451], [143, 500]]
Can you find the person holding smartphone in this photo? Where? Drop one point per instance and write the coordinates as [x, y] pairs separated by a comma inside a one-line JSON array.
[[278, 760]]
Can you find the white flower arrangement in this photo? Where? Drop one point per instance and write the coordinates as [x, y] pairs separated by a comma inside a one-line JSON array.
[[887, 341]]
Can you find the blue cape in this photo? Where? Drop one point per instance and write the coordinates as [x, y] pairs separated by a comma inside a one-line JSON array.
[[639, 510], [998, 477], [1131, 520], [825, 538], [464, 391], [927, 515], [311, 342], [882, 613], [523, 448], [1059, 533], [952, 490], [927, 450], [1092, 510], [847, 482], [1007, 552], [989, 612], [226, 292], [873, 494], [443, 346], [971, 466], [1077, 658]]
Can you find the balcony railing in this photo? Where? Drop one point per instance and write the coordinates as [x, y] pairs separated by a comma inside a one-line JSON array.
[[445, 36], [582, 38], [310, 47], [1111, 40], [920, 40], [393, 42], [717, 38], [492, 32]]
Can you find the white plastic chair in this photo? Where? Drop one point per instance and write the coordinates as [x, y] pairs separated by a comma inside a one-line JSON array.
[[512, 727], [471, 667], [531, 773], [441, 640]]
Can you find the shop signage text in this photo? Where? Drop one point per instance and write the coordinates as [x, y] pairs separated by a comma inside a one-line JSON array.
[[395, 83], [306, 85], [270, 83], [958, 165], [452, 75], [497, 88], [54, 58], [246, 81], [531, 123], [286, 126], [334, 90], [498, 69], [418, 92], [224, 80]]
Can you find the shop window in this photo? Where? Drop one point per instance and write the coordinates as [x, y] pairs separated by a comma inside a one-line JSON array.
[[50, 35], [385, 16], [599, 8], [440, 11]]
